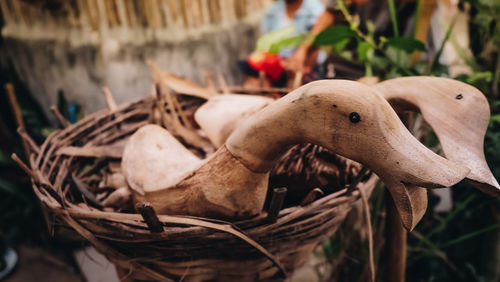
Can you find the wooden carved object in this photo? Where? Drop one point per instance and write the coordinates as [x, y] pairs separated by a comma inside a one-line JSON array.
[[457, 112], [222, 114], [346, 117]]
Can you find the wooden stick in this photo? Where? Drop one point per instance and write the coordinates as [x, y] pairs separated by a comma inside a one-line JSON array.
[[63, 123], [396, 235], [396, 238], [276, 203], [22, 165], [223, 84], [82, 187], [366, 209], [109, 98], [312, 196], [262, 79], [356, 180], [150, 217], [14, 105], [209, 80], [297, 80], [28, 140]]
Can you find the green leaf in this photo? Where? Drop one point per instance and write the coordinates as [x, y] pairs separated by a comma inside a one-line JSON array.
[[363, 49], [290, 42], [483, 20], [470, 235], [339, 47], [406, 44], [495, 119], [265, 42], [400, 58], [333, 35], [476, 76], [380, 62]]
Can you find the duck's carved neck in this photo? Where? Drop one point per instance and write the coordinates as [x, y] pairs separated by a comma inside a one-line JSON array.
[[268, 134]]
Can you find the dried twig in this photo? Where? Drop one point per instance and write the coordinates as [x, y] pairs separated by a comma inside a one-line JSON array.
[[150, 217], [276, 203], [63, 123], [109, 98], [14, 105]]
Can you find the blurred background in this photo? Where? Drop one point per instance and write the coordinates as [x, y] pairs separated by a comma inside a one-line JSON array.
[[62, 52]]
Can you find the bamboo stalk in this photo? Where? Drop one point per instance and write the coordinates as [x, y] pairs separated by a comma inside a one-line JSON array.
[[6, 14], [184, 14], [91, 14], [122, 13]]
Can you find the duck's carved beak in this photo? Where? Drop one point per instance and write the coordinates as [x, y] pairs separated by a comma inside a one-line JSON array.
[[405, 166], [459, 115], [411, 203], [422, 168]]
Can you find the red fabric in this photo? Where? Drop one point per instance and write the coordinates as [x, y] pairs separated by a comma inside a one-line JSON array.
[[270, 64]]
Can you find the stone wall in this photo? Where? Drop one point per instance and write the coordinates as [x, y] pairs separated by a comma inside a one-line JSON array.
[[47, 67], [79, 48]]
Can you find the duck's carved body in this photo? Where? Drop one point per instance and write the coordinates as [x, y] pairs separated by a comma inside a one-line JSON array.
[[221, 187], [344, 116], [222, 114]]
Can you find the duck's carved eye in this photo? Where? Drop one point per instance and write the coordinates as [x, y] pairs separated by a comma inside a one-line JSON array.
[[459, 96], [354, 117]]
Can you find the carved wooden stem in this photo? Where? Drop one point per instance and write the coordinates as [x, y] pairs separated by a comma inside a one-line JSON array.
[[396, 234], [396, 247]]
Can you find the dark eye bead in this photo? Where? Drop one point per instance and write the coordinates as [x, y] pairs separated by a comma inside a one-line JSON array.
[[354, 117], [459, 96]]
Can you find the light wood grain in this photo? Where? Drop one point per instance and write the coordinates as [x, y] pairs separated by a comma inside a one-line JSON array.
[[222, 114], [457, 112], [346, 117]]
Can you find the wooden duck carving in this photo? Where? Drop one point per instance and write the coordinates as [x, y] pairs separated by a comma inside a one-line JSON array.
[[459, 114], [344, 116], [222, 114]]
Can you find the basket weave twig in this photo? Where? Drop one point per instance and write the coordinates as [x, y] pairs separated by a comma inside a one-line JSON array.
[[65, 171]]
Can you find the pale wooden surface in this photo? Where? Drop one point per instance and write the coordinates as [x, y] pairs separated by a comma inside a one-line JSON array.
[[222, 114], [153, 159], [396, 245], [233, 181], [457, 112]]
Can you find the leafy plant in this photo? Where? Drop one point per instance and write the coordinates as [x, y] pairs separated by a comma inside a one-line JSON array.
[[449, 246]]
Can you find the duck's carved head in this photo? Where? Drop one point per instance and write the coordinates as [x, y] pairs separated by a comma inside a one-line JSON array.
[[457, 112], [351, 120]]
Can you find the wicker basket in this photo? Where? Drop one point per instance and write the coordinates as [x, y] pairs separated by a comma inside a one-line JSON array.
[[183, 248]]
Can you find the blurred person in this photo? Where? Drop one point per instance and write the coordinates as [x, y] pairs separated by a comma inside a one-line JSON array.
[[376, 11], [283, 19]]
